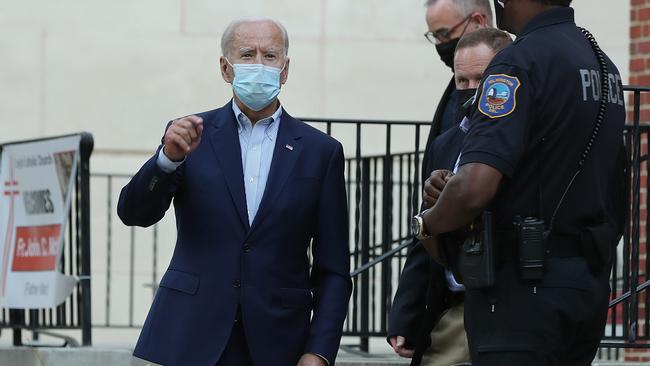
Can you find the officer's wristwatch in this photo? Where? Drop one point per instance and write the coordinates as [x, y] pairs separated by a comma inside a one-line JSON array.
[[417, 227]]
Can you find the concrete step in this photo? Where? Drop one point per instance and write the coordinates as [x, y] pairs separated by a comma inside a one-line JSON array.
[[29, 356]]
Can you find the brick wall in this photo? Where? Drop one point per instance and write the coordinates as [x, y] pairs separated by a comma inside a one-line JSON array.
[[640, 75]]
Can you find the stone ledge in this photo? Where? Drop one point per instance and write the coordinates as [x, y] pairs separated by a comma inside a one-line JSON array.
[[29, 356]]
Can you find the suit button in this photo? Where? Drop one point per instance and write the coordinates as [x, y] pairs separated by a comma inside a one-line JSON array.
[[247, 248], [236, 284]]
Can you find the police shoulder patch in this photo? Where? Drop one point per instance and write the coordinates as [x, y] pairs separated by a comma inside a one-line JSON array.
[[499, 95]]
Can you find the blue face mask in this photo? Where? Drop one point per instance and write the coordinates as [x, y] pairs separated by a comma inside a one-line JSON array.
[[256, 85]]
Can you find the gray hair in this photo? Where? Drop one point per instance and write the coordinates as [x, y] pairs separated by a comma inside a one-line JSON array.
[[467, 7], [226, 38]]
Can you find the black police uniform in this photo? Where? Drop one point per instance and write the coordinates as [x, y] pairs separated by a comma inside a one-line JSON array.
[[537, 109]]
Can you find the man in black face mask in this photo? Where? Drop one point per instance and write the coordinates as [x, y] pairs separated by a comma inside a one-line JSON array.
[[545, 157], [428, 309], [447, 21]]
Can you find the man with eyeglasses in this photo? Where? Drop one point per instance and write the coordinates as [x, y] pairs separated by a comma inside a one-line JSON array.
[[542, 172], [447, 22], [423, 294]]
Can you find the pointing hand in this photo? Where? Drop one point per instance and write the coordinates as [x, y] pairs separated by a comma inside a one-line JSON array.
[[182, 137]]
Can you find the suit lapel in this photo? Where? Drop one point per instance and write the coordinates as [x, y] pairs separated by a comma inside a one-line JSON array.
[[224, 137], [436, 124], [288, 147]]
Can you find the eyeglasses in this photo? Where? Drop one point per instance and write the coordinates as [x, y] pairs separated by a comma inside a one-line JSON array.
[[442, 36]]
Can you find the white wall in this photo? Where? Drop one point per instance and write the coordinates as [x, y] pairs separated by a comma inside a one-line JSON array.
[[120, 69]]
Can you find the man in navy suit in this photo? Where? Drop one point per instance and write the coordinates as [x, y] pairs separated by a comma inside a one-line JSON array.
[[255, 191]]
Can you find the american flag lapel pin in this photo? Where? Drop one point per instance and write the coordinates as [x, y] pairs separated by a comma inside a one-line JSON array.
[[289, 147]]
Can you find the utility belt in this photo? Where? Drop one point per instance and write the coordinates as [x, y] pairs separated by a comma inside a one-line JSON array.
[[527, 245]]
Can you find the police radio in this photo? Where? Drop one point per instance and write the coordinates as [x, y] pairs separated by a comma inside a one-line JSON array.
[[531, 247]]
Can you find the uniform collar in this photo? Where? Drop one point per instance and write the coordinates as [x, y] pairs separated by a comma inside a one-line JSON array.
[[550, 17]]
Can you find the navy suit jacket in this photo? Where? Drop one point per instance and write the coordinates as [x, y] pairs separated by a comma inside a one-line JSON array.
[[220, 262]]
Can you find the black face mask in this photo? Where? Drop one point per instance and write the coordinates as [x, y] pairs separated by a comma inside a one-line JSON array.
[[498, 9], [464, 104], [446, 51]]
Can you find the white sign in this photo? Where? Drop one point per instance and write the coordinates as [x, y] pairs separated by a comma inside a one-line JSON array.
[[37, 181]]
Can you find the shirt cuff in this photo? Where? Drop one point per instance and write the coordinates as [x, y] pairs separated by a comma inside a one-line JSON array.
[[165, 164], [322, 358]]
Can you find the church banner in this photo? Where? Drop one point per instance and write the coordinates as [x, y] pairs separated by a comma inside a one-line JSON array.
[[38, 180]]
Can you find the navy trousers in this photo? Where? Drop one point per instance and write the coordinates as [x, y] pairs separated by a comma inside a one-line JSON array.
[[556, 322]]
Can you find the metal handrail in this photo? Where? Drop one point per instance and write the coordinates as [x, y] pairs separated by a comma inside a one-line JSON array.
[[383, 257]]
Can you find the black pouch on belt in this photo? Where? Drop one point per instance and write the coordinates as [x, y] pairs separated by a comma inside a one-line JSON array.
[[476, 262], [596, 246], [531, 247]]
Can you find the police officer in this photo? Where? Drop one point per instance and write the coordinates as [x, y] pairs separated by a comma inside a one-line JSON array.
[[544, 147]]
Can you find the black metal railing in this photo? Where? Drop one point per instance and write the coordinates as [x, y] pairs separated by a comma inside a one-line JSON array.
[[75, 311], [630, 305]]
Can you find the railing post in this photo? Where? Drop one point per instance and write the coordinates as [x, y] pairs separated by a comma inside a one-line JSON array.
[[417, 171], [387, 230], [636, 190], [85, 149], [17, 321], [109, 242], [365, 253], [356, 252], [33, 319]]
